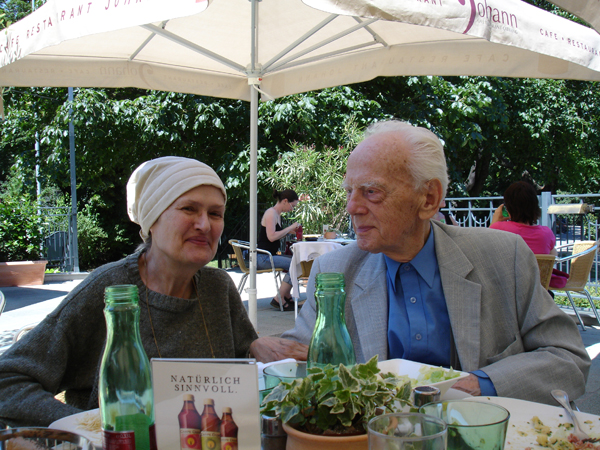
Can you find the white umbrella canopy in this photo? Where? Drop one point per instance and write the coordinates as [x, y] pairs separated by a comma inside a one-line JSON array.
[[232, 48], [588, 10], [186, 47]]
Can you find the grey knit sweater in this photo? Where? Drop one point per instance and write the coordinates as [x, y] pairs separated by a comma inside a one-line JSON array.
[[63, 352]]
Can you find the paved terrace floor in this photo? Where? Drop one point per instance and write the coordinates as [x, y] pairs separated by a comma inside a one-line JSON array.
[[30, 304]]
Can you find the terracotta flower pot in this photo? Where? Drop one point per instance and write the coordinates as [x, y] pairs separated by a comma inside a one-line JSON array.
[[297, 440], [22, 273]]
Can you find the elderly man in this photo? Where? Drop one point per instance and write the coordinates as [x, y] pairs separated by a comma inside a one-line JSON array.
[[443, 295]]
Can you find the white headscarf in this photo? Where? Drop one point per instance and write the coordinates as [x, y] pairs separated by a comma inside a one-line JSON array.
[[157, 183]]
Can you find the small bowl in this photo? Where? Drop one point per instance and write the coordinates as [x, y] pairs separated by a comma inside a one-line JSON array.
[[330, 235], [400, 366], [288, 371], [45, 438]]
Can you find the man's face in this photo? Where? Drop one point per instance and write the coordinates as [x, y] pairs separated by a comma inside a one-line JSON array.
[[382, 201]]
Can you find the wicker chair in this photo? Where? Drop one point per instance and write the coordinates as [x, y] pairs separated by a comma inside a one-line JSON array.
[[546, 264], [581, 261], [237, 248]]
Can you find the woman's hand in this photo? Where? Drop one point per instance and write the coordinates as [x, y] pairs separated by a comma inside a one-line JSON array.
[[292, 228], [498, 217]]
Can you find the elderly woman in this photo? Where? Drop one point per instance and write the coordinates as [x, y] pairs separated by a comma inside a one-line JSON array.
[[187, 310]]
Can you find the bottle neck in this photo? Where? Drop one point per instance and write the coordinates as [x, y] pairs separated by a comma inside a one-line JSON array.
[[189, 405], [122, 322]]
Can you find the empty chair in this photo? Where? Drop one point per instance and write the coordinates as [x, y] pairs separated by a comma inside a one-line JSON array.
[[581, 262], [2, 302], [546, 264], [238, 246]]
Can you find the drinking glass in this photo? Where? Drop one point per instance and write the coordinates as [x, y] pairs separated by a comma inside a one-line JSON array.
[[471, 424], [407, 431], [266, 383]]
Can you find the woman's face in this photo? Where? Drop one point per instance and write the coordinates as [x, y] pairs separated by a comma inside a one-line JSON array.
[[289, 205], [188, 231]]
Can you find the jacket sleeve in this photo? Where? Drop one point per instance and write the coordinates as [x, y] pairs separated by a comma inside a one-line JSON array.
[[547, 351]]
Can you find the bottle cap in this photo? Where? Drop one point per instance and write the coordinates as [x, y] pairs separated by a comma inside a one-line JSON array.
[[227, 409], [425, 394], [188, 398], [209, 401]]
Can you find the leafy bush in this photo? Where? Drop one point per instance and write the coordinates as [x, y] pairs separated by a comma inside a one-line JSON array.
[[95, 244], [20, 229], [317, 176]]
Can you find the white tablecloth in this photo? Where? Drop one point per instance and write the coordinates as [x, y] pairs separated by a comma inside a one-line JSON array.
[[306, 251]]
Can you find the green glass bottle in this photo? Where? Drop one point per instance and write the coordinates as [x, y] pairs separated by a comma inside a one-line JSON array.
[[125, 385], [330, 343]]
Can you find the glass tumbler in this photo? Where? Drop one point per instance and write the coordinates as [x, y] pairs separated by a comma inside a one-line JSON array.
[[407, 431]]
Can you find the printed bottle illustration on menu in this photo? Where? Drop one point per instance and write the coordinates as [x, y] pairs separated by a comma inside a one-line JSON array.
[[210, 426], [229, 431], [190, 424]]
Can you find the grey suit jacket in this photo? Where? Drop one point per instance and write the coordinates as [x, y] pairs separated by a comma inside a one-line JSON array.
[[502, 319]]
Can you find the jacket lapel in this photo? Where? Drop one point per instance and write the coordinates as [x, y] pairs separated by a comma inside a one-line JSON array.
[[463, 298], [370, 307]]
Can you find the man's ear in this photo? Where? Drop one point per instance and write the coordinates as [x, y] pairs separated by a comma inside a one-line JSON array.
[[432, 197]]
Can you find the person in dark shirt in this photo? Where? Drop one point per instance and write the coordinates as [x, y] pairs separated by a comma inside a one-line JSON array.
[[268, 239]]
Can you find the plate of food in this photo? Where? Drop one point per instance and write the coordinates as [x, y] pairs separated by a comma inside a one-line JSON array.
[[423, 374], [87, 424], [537, 426]]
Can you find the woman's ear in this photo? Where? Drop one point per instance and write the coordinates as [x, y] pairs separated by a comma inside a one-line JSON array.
[[432, 197]]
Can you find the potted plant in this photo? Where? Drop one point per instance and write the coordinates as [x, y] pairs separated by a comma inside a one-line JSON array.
[[332, 405]]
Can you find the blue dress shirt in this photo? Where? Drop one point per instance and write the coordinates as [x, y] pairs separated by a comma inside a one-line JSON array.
[[418, 321]]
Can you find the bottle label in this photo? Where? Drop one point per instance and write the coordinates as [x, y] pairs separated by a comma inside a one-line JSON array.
[[211, 440], [126, 439], [190, 438], [229, 443], [115, 440]]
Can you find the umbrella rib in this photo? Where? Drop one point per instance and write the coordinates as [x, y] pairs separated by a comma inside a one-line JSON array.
[[190, 45], [299, 41], [373, 33], [323, 43], [322, 56], [148, 39]]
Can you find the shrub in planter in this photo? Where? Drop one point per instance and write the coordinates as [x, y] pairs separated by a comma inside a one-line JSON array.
[[20, 229]]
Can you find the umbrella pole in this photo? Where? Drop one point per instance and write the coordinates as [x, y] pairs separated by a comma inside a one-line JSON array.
[[252, 311]]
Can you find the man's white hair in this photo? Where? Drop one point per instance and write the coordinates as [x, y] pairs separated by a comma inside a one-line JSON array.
[[427, 160]]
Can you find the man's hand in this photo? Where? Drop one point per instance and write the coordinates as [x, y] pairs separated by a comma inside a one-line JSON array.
[[469, 384], [267, 349]]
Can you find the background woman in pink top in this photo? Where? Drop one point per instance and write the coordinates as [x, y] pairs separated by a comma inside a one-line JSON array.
[[521, 202]]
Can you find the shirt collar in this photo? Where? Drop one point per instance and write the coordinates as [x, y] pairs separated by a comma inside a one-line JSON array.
[[424, 263]]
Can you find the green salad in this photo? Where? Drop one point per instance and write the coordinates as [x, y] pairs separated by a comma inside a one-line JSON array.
[[430, 375]]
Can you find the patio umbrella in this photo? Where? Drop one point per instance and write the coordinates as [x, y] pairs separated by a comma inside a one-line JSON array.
[[588, 10], [235, 48]]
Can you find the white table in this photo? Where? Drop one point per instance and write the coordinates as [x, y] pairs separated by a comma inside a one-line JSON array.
[[307, 251]]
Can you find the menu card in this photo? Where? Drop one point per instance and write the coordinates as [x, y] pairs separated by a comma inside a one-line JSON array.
[[223, 388]]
